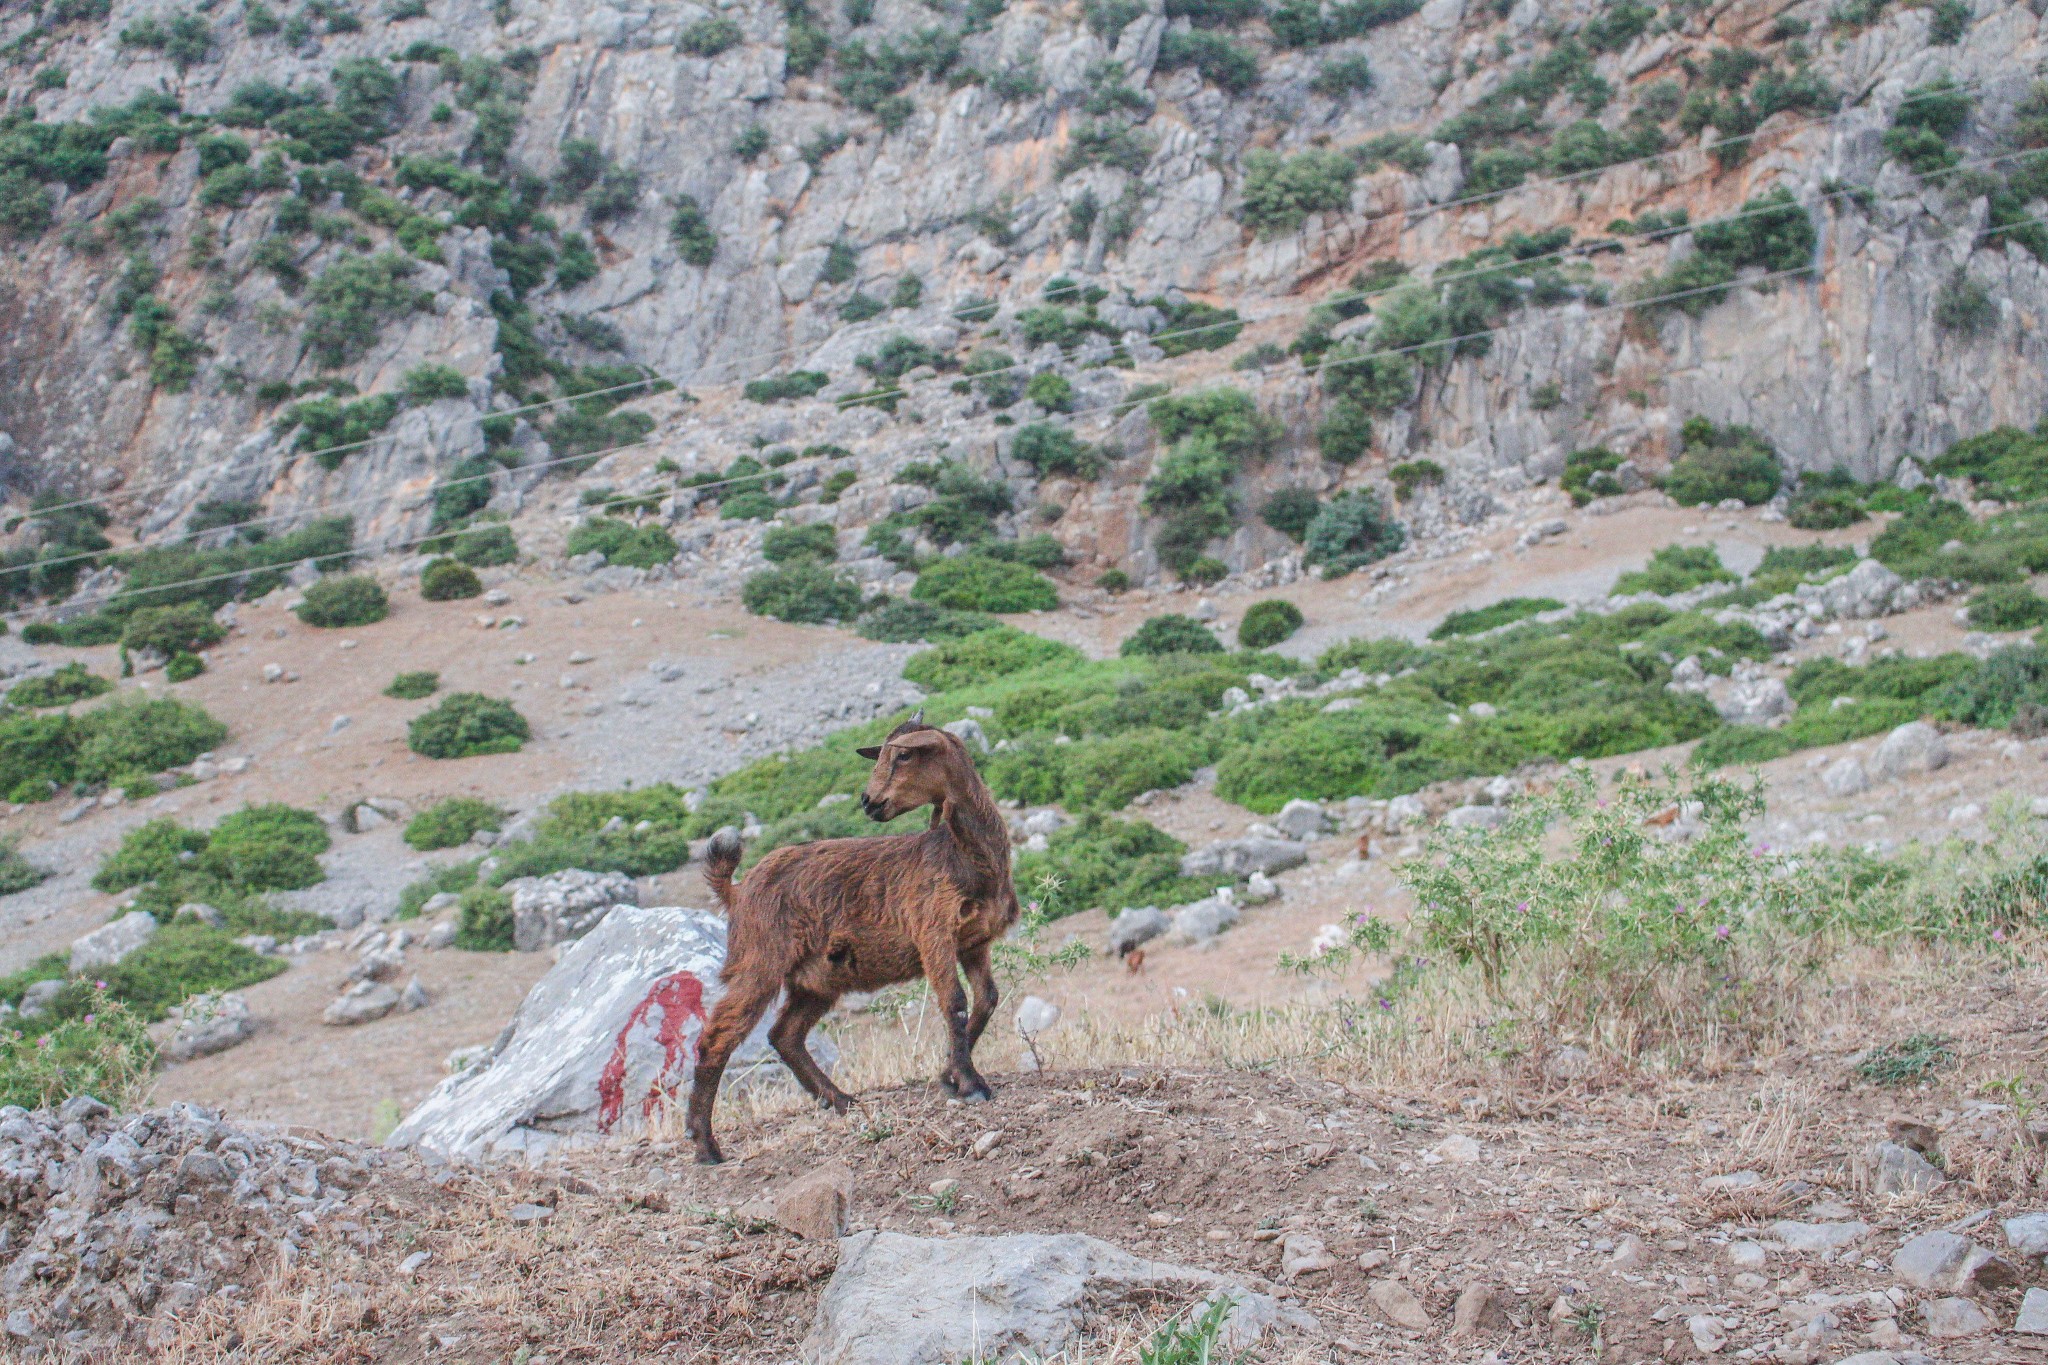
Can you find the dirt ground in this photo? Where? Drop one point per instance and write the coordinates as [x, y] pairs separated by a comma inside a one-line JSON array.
[[1591, 1190]]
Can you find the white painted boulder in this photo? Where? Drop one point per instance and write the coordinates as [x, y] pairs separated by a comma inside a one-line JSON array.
[[602, 1043]]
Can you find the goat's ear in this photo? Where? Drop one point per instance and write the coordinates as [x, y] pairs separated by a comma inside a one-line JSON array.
[[869, 751]]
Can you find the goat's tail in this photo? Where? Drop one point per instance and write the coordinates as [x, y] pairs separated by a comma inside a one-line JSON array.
[[721, 860]]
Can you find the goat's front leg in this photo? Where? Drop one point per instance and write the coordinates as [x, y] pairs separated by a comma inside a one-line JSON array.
[[941, 960], [982, 978], [798, 1018], [732, 1019]]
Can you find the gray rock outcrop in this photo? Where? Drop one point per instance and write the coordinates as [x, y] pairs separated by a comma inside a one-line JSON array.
[[902, 1300], [1915, 747], [564, 905], [109, 943], [1238, 858]]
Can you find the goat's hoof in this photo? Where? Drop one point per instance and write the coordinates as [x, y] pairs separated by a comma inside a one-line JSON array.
[[978, 1093], [838, 1104], [950, 1083], [709, 1155]]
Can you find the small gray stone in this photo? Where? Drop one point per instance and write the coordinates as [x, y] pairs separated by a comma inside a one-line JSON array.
[[1398, 1305], [1845, 777], [1300, 819], [969, 732], [2028, 1234], [35, 1001], [2033, 1318], [1817, 1237], [1901, 1170], [1477, 817], [1954, 1317], [361, 1003], [1204, 920], [413, 997], [442, 934], [1931, 1260], [208, 1024]]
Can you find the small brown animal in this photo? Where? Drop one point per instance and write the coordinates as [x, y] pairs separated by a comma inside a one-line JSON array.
[[818, 920], [1134, 961]]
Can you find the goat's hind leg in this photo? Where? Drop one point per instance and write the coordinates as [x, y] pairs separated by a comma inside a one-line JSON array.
[[942, 969], [799, 1016], [732, 1019]]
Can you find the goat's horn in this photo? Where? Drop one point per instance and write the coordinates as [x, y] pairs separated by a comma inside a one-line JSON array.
[[917, 716]]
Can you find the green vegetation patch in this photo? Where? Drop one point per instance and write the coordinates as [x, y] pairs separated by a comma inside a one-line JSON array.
[[468, 724]]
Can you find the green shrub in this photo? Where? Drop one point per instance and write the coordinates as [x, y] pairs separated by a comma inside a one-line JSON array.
[[1771, 232], [1675, 569], [1268, 623], [695, 239], [1280, 193], [125, 738], [1053, 450], [67, 684], [1227, 418], [1231, 66], [1825, 502], [802, 592], [339, 600], [17, 873], [466, 724], [2004, 462], [1721, 463], [452, 822], [622, 543], [709, 37], [1505, 612], [1170, 634], [446, 580], [1113, 581], [1413, 474], [1094, 774], [414, 686], [272, 847], [1963, 305], [785, 387], [452, 880], [1351, 531], [899, 620], [1050, 391], [974, 582], [2008, 606], [2012, 682], [430, 383], [486, 546], [484, 920], [352, 300], [1102, 862], [183, 667], [988, 654], [785, 544], [181, 628], [1291, 511]]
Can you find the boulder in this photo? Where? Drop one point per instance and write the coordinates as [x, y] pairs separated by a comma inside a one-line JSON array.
[[813, 1206], [1477, 817], [1242, 857], [1204, 920], [362, 1003], [109, 943], [1869, 589], [969, 732], [563, 905], [1755, 701], [1901, 1170], [601, 1043], [1915, 747], [1845, 777], [1954, 1317], [2028, 1234], [1931, 1260], [1136, 926], [209, 1024], [902, 1300], [1300, 819], [2033, 1317]]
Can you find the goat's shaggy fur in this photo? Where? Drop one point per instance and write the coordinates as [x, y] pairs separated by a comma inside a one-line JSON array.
[[817, 920]]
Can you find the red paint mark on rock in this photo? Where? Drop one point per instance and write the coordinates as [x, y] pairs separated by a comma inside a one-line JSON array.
[[680, 998]]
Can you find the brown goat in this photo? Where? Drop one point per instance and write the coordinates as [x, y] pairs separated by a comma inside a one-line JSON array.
[[818, 920]]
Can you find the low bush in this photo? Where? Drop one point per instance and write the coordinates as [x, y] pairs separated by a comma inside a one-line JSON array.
[[1101, 773], [803, 592], [1102, 862], [65, 685], [340, 600], [1939, 539], [1675, 569], [414, 686], [1053, 450], [484, 920], [974, 582], [785, 544], [449, 580], [1718, 464], [983, 656], [1588, 474], [486, 546], [449, 823], [1170, 634], [2008, 606], [622, 543], [786, 387], [17, 873], [1280, 193], [1351, 531], [1505, 612], [2004, 463], [900, 620], [1291, 511], [181, 628], [97, 1047], [2010, 684], [1826, 502], [1268, 623], [467, 724], [450, 880]]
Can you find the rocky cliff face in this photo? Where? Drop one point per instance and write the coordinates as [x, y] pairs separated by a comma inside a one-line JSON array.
[[555, 191]]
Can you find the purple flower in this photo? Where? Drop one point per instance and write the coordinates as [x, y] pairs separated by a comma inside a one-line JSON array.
[[1998, 935], [1385, 1003], [1523, 908], [1722, 931], [90, 1017]]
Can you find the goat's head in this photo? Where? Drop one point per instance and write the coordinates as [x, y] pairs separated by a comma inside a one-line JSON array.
[[913, 767]]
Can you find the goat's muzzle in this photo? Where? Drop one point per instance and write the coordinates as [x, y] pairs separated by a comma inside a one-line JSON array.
[[878, 811]]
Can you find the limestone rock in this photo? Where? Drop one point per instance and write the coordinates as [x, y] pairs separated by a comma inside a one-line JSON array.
[[1242, 857], [1845, 777], [600, 1042], [208, 1024], [1915, 747], [108, 944], [563, 905], [1901, 1170], [1398, 1304], [1137, 926], [1300, 819], [362, 1003], [1950, 1318], [1480, 1308], [902, 1300], [813, 1206]]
